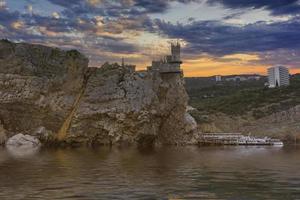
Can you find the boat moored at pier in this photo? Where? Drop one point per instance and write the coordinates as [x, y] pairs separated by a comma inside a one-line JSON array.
[[236, 139]]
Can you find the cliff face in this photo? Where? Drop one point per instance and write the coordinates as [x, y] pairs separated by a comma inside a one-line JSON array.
[[54, 94], [37, 85], [120, 106], [283, 124]]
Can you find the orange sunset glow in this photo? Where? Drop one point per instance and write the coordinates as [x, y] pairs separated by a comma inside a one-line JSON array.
[[217, 37]]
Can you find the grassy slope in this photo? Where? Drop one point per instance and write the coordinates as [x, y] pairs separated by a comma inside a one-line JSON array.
[[239, 98]]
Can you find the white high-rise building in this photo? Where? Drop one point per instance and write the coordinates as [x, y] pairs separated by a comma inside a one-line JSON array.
[[218, 78], [278, 76]]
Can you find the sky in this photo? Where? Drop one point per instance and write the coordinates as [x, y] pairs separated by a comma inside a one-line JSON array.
[[218, 37]]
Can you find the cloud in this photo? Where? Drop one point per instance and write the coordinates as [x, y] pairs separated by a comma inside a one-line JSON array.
[[55, 15], [152, 6], [220, 39], [2, 4], [84, 33], [94, 2], [7, 18], [17, 25], [107, 30], [119, 8], [66, 3], [277, 7], [29, 8]]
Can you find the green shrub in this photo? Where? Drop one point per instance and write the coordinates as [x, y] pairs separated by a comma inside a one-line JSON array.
[[73, 53]]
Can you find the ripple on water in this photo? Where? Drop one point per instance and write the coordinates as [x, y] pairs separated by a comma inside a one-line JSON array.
[[163, 173]]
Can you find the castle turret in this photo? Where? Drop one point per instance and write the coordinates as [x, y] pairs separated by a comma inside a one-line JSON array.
[[170, 63], [123, 62], [175, 50]]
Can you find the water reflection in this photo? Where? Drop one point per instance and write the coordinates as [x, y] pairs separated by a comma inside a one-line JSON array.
[[22, 151], [163, 173]]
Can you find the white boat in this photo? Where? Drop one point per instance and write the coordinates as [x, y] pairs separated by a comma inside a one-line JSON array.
[[276, 142], [238, 139]]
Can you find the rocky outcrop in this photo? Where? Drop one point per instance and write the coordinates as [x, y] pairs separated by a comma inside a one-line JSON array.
[[37, 85], [23, 141], [22, 145], [119, 106], [53, 94]]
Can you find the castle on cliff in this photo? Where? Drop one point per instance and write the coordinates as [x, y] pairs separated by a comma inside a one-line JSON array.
[[170, 63]]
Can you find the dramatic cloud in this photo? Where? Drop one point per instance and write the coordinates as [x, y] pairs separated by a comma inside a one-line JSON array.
[[277, 7], [221, 39], [139, 30], [2, 4], [66, 3]]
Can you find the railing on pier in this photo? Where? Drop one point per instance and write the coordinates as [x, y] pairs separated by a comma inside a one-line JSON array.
[[220, 138], [235, 139]]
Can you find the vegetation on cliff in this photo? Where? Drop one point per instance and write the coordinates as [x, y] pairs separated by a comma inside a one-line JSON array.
[[234, 99]]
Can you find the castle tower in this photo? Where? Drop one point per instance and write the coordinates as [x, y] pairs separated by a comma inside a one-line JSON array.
[[170, 63], [123, 62], [175, 50]]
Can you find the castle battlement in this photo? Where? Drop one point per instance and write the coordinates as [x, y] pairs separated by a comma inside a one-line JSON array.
[[169, 63]]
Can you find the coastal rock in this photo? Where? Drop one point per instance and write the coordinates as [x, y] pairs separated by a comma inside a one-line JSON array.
[[38, 85], [23, 141], [54, 95], [44, 135], [191, 123], [123, 107]]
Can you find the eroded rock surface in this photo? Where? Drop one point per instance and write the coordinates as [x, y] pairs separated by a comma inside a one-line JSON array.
[[37, 86], [23, 141], [55, 89]]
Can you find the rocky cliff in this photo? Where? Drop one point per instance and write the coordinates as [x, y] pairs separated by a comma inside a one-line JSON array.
[[284, 124], [53, 94]]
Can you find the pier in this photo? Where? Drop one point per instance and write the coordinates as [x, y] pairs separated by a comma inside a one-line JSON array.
[[235, 139]]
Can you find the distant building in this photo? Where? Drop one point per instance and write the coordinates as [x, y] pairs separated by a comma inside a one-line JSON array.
[[242, 77], [278, 76], [218, 78], [254, 77], [170, 63], [236, 78]]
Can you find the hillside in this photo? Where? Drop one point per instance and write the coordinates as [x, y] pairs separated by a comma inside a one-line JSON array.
[[239, 98], [246, 104]]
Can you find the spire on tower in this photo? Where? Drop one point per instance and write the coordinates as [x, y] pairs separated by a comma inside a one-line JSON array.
[[123, 62], [175, 50]]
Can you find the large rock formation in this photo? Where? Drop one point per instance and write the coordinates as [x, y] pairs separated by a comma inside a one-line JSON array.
[[52, 90]]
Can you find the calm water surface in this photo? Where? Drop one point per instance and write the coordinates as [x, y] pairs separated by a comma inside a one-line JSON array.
[[163, 173]]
